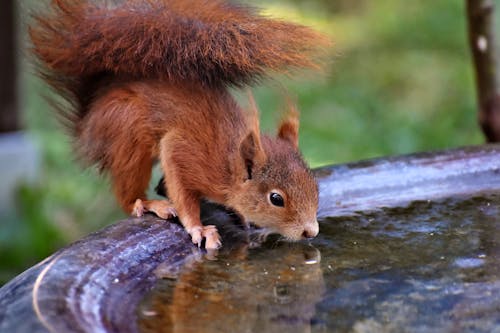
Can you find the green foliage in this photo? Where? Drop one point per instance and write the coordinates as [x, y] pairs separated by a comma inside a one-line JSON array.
[[29, 237], [400, 81]]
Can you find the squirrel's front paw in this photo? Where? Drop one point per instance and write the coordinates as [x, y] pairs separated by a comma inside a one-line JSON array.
[[196, 236], [209, 232], [212, 238]]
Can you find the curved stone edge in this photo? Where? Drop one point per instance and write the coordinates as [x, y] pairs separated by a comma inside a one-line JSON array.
[[396, 181], [94, 284]]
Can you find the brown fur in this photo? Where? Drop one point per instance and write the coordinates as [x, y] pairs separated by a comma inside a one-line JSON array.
[[147, 80]]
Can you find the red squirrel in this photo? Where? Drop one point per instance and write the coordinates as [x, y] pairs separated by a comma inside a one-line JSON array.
[[148, 80]]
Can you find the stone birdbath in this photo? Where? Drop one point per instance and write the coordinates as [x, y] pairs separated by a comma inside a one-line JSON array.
[[409, 243]]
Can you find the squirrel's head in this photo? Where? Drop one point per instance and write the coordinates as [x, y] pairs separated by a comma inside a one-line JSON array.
[[278, 191]]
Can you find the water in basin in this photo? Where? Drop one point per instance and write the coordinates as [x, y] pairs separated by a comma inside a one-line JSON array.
[[429, 267]]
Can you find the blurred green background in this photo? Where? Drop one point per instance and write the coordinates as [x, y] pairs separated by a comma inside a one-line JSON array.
[[400, 81]]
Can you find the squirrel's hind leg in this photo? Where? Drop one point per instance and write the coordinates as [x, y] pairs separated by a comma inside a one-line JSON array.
[[130, 181]]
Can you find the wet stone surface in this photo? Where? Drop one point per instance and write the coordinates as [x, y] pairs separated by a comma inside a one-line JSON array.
[[429, 267]]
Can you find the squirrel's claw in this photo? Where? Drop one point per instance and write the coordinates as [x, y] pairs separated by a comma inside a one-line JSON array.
[[212, 238], [196, 235], [138, 209], [209, 232]]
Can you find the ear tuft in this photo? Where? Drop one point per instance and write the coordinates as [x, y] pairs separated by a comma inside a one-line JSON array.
[[289, 127]]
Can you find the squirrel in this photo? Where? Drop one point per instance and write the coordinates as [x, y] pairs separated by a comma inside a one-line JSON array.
[[149, 80]]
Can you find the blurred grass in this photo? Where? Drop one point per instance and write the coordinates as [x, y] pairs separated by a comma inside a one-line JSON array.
[[400, 81]]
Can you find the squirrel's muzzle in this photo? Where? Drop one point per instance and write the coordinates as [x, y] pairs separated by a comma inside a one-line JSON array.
[[311, 230]]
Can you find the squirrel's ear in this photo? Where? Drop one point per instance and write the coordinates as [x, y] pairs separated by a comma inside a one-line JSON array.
[[251, 149], [251, 152], [289, 127]]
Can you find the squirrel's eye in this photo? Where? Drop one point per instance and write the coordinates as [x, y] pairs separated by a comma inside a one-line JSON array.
[[276, 199]]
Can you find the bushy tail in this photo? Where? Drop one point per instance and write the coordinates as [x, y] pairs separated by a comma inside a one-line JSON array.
[[213, 42]]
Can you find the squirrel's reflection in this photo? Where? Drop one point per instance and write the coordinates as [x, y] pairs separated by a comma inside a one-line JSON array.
[[265, 290]]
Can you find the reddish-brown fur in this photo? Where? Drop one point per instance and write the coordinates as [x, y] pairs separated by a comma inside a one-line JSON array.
[[147, 80]]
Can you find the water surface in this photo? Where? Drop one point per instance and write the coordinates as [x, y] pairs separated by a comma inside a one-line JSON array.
[[428, 267]]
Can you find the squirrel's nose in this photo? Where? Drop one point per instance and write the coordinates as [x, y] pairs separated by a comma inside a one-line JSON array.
[[311, 230]]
